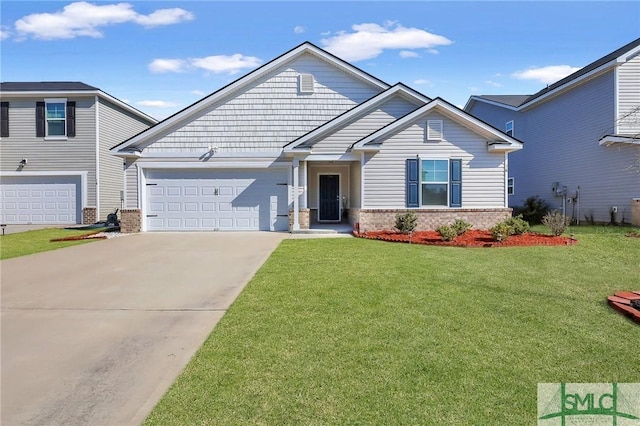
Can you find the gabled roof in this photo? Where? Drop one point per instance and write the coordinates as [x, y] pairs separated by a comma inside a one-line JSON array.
[[502, 140], [65, 88], [240, 83], [311, 138], [618, 56]]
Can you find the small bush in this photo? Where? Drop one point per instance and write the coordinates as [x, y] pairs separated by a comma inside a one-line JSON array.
[[447, 232], [501, 231], [519, 225], [556, 222], [533, 210], [406, 223], [461, 226]]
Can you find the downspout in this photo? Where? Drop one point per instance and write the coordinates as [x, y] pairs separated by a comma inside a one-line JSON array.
[[97, 100]]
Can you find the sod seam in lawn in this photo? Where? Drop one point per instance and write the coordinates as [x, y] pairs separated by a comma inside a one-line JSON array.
[[359, 331], [30, 242]]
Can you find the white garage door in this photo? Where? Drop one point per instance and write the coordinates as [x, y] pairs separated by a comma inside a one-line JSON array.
[[40, 199], [229, 200]]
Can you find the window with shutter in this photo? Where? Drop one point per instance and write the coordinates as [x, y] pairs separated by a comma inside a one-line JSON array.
[[413, 182], [439, 183], [71, 119], [4, 120]]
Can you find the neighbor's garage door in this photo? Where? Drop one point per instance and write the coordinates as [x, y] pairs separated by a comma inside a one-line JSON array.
[[40, 199], [229, 200]]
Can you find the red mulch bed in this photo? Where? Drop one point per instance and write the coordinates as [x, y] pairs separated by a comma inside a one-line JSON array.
[[471, 238]]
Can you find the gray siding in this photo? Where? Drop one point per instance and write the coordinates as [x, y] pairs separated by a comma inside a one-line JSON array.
[[629, 97], [270, 113], [498, 117], [482, 172], [131, 185], [562, 146], [343, 138], [116, 126], [73, 154]]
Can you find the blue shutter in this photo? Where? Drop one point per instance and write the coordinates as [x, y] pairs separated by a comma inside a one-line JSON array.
[[413, 182], [455, 183]]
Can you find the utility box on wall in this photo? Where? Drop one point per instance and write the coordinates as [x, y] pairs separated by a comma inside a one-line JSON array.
[[635, 211]]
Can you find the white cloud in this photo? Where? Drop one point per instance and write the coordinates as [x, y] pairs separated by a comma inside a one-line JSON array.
[[168, 65], [4, 33], [198, 92], [409, 54], [547, 75], [157, 104], [492, 83], [219, 64], [422, 82], [86, 19], [369, 40], [299, 29]]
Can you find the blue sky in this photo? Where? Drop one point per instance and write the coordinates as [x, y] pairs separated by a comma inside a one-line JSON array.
[[161, 56]]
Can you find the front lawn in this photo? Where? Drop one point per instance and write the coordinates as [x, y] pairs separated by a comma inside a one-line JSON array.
[[23, 243], [353, 331]]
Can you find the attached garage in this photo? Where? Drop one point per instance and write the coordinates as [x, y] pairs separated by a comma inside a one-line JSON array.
[[212, 200], [41, 199]]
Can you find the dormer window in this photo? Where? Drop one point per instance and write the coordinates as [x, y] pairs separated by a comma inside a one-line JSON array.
[[508, 128], [306, 83]]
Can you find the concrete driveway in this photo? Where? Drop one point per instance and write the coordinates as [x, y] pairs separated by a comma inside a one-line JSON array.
[[95, 334]]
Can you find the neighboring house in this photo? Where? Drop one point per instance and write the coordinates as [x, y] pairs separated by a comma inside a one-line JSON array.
[[582, 139], [308, 138], [55, 166]]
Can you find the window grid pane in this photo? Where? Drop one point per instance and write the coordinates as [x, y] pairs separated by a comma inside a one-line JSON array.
[[435, 183], [55, 111]]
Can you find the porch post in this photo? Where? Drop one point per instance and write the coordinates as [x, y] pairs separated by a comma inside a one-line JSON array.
[[296, 195]]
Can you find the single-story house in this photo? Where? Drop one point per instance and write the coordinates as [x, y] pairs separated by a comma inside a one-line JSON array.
[[309, 139]]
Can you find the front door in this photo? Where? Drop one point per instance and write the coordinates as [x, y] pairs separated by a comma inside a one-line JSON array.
[[329, 208]]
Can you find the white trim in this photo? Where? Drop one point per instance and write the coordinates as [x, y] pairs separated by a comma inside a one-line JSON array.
[[359, 110], [339, 174], [296, 195], [305, 184], [362, 164], [77, 93], [434, 134], [348, 156], [381, 134], [616, 100], [97, 158], [437, 157], [197, 155], [611, 139], [506, 176], [142, 198], [513, 127], [212, 165], [48, 101], [247, 79], [83, 180]]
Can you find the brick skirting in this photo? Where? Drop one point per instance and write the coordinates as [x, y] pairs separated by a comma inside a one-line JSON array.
[[303, 218], [130, 220], [89, 215], [635, 211], [377, 220]]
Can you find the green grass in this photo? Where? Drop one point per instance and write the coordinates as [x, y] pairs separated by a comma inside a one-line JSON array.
[[23, 243], [353, 331]]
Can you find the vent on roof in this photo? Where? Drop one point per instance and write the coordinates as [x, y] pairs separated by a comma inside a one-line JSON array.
[[434, 130], [305, 83]]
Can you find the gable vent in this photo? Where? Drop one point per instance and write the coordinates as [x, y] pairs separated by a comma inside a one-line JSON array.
[[305, 83], [434, 130]]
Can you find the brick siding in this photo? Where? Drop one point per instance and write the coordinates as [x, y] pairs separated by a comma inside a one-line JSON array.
[[89, 215], [130, 220]]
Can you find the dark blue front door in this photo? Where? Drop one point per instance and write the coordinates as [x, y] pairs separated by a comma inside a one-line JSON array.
[[329, 208]]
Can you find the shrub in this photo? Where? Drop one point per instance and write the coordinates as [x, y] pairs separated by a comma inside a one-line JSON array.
[[533, 210], [556, 222], [406, 223], [447, 232], [501, 231], [518, 224], [461, 226]]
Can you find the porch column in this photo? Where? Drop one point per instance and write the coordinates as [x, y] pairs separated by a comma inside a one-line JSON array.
[[296, 195]]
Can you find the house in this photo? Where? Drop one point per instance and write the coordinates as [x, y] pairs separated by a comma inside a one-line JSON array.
[[582, 139], [55, 166], [308, 138]]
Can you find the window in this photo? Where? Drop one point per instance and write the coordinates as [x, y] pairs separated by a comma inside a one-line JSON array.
[[510, 186], [508, 128], [434, 182], [55, 119], [4, 125], [434, 130]]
